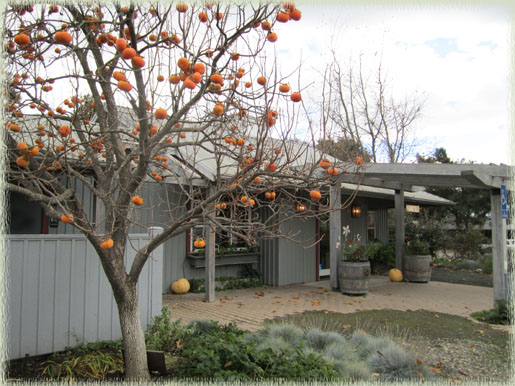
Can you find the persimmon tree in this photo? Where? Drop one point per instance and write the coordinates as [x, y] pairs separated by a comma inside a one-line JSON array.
[[120, 97]]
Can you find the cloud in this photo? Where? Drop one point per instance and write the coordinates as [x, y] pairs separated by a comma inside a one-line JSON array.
[[443, 46]]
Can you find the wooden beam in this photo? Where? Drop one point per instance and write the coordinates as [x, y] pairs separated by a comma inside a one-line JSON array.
[[399, 229], [335, 232], [481, 179], [498, 244]]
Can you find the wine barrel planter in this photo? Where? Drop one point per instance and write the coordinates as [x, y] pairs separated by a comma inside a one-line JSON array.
[[353, 277], [418, 268]]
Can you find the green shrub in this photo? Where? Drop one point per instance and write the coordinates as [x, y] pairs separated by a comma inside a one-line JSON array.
[[72, 365], [163, 333], [226, 283], [498, 315], [487, 263], [225, 352], [381, 256], [467, 243]]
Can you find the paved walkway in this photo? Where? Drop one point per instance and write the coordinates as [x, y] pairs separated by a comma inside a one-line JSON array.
[[250, 307]]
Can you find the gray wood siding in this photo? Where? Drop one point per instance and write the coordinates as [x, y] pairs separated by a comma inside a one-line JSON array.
[[296, 259], [381, 224], [86, 197], [59, 295], [358, 226]]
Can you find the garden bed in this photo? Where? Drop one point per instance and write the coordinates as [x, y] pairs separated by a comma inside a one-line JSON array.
[[461, 276], [197, 261]]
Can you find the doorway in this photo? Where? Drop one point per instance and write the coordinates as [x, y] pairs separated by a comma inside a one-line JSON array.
[[324, 265]]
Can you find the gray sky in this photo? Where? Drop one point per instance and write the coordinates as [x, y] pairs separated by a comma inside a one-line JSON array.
[[457, 56]]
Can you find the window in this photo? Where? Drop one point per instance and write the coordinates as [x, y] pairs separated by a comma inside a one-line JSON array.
[[371, 228]]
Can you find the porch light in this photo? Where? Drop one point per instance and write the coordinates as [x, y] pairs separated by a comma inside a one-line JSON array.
[[355, 211]]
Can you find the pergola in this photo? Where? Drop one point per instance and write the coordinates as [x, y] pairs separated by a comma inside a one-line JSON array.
[[409, 177]]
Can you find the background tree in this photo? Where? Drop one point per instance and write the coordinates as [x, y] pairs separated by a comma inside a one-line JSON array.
[[365, 112], [343, 149], [119, 97], [466, 217]]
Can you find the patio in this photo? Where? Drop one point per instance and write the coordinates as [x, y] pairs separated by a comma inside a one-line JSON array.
[[249, 309]]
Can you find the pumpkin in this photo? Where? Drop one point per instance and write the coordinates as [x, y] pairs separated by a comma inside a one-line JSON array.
[[180, 286], [160, 113], [63, 37], [22, 39], [124, 85], [315, 195], [137, 200], [128, 53], [199, 243], [138, 62], [295, 97], [325, 164], [67, 218], [271, 37], [332, 171], [107, 244], [395, 275]]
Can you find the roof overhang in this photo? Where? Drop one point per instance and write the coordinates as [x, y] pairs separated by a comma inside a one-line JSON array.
[[408, 176]]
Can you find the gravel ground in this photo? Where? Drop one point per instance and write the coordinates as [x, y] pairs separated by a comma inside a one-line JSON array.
[[461, 360]]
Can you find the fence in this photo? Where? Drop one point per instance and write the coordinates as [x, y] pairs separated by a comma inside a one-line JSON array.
[[59, 295]]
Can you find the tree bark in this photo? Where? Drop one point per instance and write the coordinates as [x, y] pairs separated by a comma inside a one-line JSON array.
[[135, 354]]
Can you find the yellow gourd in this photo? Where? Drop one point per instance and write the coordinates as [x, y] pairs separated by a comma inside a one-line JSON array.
[[180, 286], [395, 275]]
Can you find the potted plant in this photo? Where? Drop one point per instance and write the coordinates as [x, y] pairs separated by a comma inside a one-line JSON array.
[[417, 267], [354, 267]]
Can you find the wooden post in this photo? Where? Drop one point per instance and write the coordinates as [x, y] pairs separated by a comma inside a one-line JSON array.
[[335, 233], [209, 280], [498, 244], [399, 229]]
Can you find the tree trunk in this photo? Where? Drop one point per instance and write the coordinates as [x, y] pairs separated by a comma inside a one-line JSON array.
[[135, 354]]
